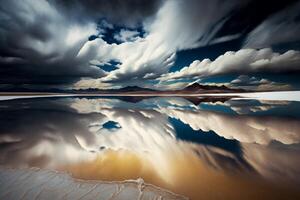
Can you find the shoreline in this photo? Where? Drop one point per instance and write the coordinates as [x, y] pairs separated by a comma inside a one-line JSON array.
[[273, 95]]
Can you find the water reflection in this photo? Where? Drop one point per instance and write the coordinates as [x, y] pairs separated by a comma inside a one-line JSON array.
[[194, 147]]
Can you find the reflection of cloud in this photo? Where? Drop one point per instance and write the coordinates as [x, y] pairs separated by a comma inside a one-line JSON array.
[[245, 129], [143, 146], [151, 103], [44, 134], [69, 135], [140, 130], [248, 129], [246, 107], [261, 107], [274, 161]]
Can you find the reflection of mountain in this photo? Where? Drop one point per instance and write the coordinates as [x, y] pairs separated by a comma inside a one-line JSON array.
[[132, 89], [196, 87], [193, 99], [133, 99], [198, 100]]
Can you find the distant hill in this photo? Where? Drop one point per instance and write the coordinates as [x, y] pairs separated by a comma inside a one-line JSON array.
[[198, 88], [133, 89], [194, 88], [191, 89]]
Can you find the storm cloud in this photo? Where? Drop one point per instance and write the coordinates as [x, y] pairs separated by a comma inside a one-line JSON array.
[[40, 40], [67, 42]]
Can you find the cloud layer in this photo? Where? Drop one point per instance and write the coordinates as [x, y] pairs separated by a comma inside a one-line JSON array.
[[52, 38], [66, 42], [243, 61]]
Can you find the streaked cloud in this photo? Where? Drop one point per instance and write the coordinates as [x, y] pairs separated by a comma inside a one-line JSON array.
[[280, 28]]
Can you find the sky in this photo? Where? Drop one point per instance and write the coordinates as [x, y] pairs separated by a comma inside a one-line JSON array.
[[160, 44]]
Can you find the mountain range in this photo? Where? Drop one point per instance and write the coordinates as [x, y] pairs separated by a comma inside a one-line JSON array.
[[194, 88]]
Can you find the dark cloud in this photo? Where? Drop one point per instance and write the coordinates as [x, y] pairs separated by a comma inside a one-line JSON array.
[[250, 15], [39, 44], [280, 30], [128, 12], [40, 40]]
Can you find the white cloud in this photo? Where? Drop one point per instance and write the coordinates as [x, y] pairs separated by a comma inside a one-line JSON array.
[[253, 83], [242, 62], [41, 39], [127, 35], [190, 24], [52, 40]]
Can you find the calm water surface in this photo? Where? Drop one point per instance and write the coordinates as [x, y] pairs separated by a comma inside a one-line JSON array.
[[200, 148]]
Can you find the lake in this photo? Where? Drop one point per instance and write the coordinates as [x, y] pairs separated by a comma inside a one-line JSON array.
[[198, 147]]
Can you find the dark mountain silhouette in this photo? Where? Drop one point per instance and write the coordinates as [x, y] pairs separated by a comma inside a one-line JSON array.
[[198, 87], [133, 89], [191, 89], [194, 88]]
